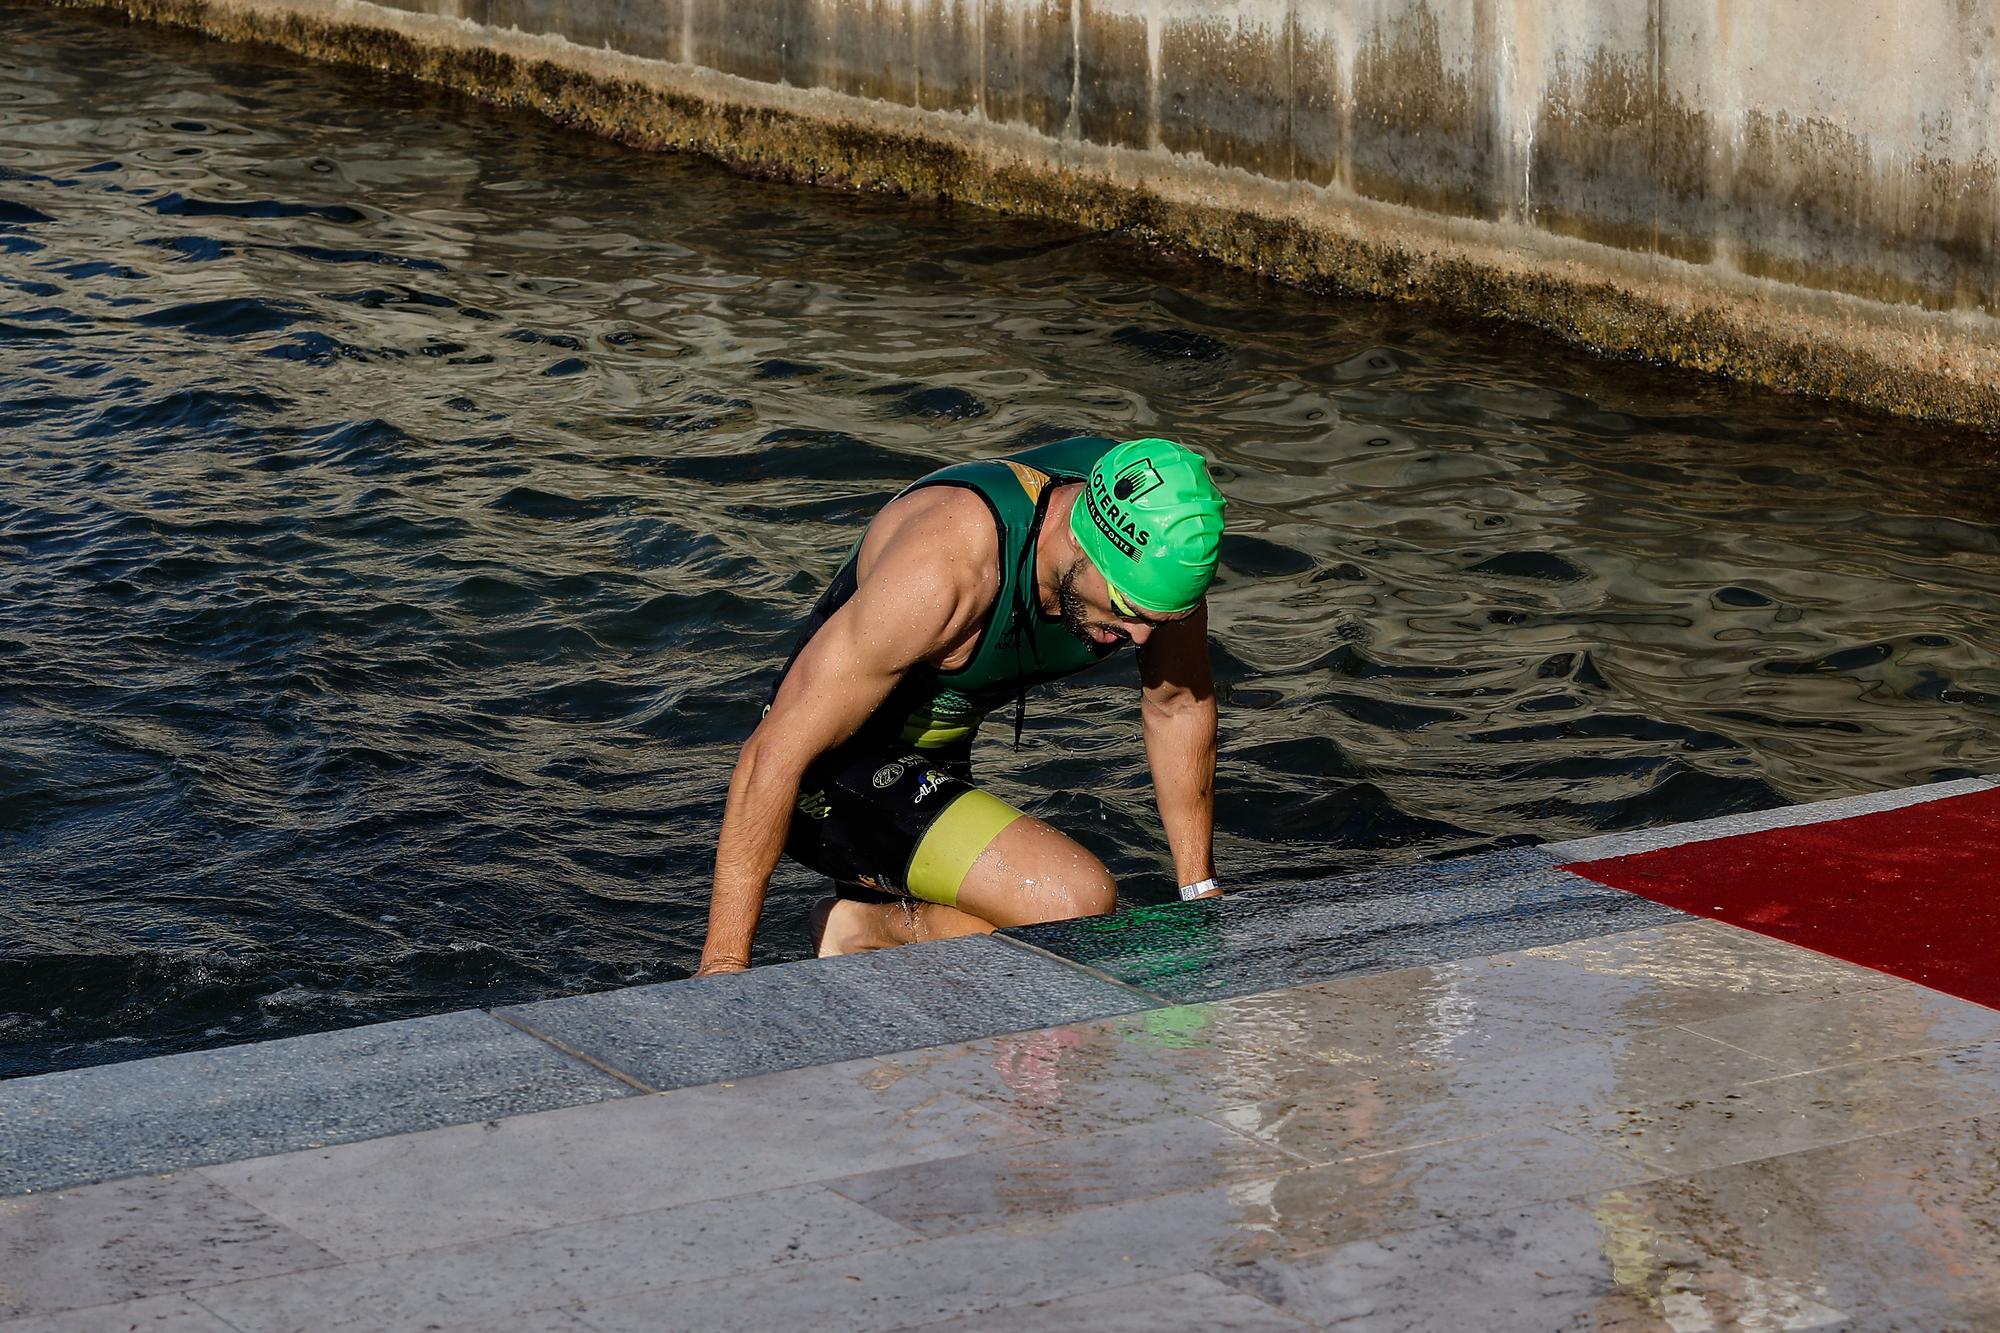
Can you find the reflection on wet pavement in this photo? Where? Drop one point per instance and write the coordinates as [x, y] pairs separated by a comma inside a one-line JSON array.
[[1679, 1128]]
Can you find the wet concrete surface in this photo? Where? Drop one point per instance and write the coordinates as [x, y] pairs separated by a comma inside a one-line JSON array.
[[1680, 1127], [1683, 1126], [276, 1096], [674, 1035], [1244, 943]]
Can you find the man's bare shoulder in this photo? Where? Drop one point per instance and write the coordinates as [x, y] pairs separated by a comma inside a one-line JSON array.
[[937, 546], [947, 531]]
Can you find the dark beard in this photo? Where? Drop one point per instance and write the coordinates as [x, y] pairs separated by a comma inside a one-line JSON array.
[[1075, 616]]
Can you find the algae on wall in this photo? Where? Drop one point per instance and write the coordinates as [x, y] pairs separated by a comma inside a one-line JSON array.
[[1799, 195]]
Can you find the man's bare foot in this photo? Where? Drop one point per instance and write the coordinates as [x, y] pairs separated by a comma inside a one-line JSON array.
[[843, 926], [820, 911]]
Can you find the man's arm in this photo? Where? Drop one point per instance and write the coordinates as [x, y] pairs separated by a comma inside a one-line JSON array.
[[909, 607], [1178, 705]]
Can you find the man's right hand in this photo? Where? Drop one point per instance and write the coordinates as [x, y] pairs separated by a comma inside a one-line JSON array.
[[720, 967]]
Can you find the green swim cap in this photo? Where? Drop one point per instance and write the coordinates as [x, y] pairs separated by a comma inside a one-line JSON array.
[[1150, 519]]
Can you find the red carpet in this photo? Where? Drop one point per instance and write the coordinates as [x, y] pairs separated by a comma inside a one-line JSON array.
[[1914, 892]]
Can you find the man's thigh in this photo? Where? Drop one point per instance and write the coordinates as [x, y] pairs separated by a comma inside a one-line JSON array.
[[867, 812], [1030, 871], [913, 825]]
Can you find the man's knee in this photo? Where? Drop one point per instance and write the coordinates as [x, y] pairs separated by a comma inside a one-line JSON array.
[[1087, 890]]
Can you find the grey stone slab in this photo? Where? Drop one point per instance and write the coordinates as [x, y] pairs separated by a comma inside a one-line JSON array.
[[1619, 984], [268, 1097], [532, 1321], [71, 1250], [947, 1278], [1131, 1069], [1885, 1223], [1796, 1112], [1392, 1193], [1898, 1093], [1264, 939], [153, 1314], [1578, 1013], [1970, 1317], [1519, 1093], [1561, 1265], [1041, 1180], [493, 1283], [683, 1033], [472, 1182], [1835, 1238], [1895, 1019], [1582, 1024], [1193, 1300], [1606, 845]]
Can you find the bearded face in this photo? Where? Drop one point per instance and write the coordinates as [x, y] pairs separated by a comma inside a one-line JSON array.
[[1102, 637]]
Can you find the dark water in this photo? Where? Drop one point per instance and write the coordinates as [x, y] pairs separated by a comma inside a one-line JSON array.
[[403, 505]]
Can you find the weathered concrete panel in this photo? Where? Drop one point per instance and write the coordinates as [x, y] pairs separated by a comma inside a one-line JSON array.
[[949, 51], [1322, 107], [1581, 115], [1829, 175], [648, 28], [867, 48], [450, 9], [1118, 77], [1852, 147], [770, 41], [1030, 63], [1225, 85], [1421, 115]]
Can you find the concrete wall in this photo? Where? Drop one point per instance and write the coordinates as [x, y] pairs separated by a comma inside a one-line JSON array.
[[1798, 192]]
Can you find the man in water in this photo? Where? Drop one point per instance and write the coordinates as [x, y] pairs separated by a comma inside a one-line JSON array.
[[977, 582]]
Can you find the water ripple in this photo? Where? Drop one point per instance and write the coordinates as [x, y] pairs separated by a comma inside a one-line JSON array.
[[403, 506]]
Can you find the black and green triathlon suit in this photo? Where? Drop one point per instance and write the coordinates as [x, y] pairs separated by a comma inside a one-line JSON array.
[[892, 810]]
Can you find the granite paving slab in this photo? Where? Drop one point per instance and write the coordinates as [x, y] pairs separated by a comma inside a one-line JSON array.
[[1390, 1060], [1835, 1238], [684, 1033], [152, 1314], [1577, 991], [1191, 1301], [1410, 1189], [1264, 939], [1515, 1093], [493, 1282], [1794, 1112], [1543, 1023], [224, 1105], [1039, 1180], [132, 1239], [1282, 1049], [946, 1278], [471, 1182], [1527, 1269], [1603, 846], [1899, 1092], [533, 1321], [1870, 1025]]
